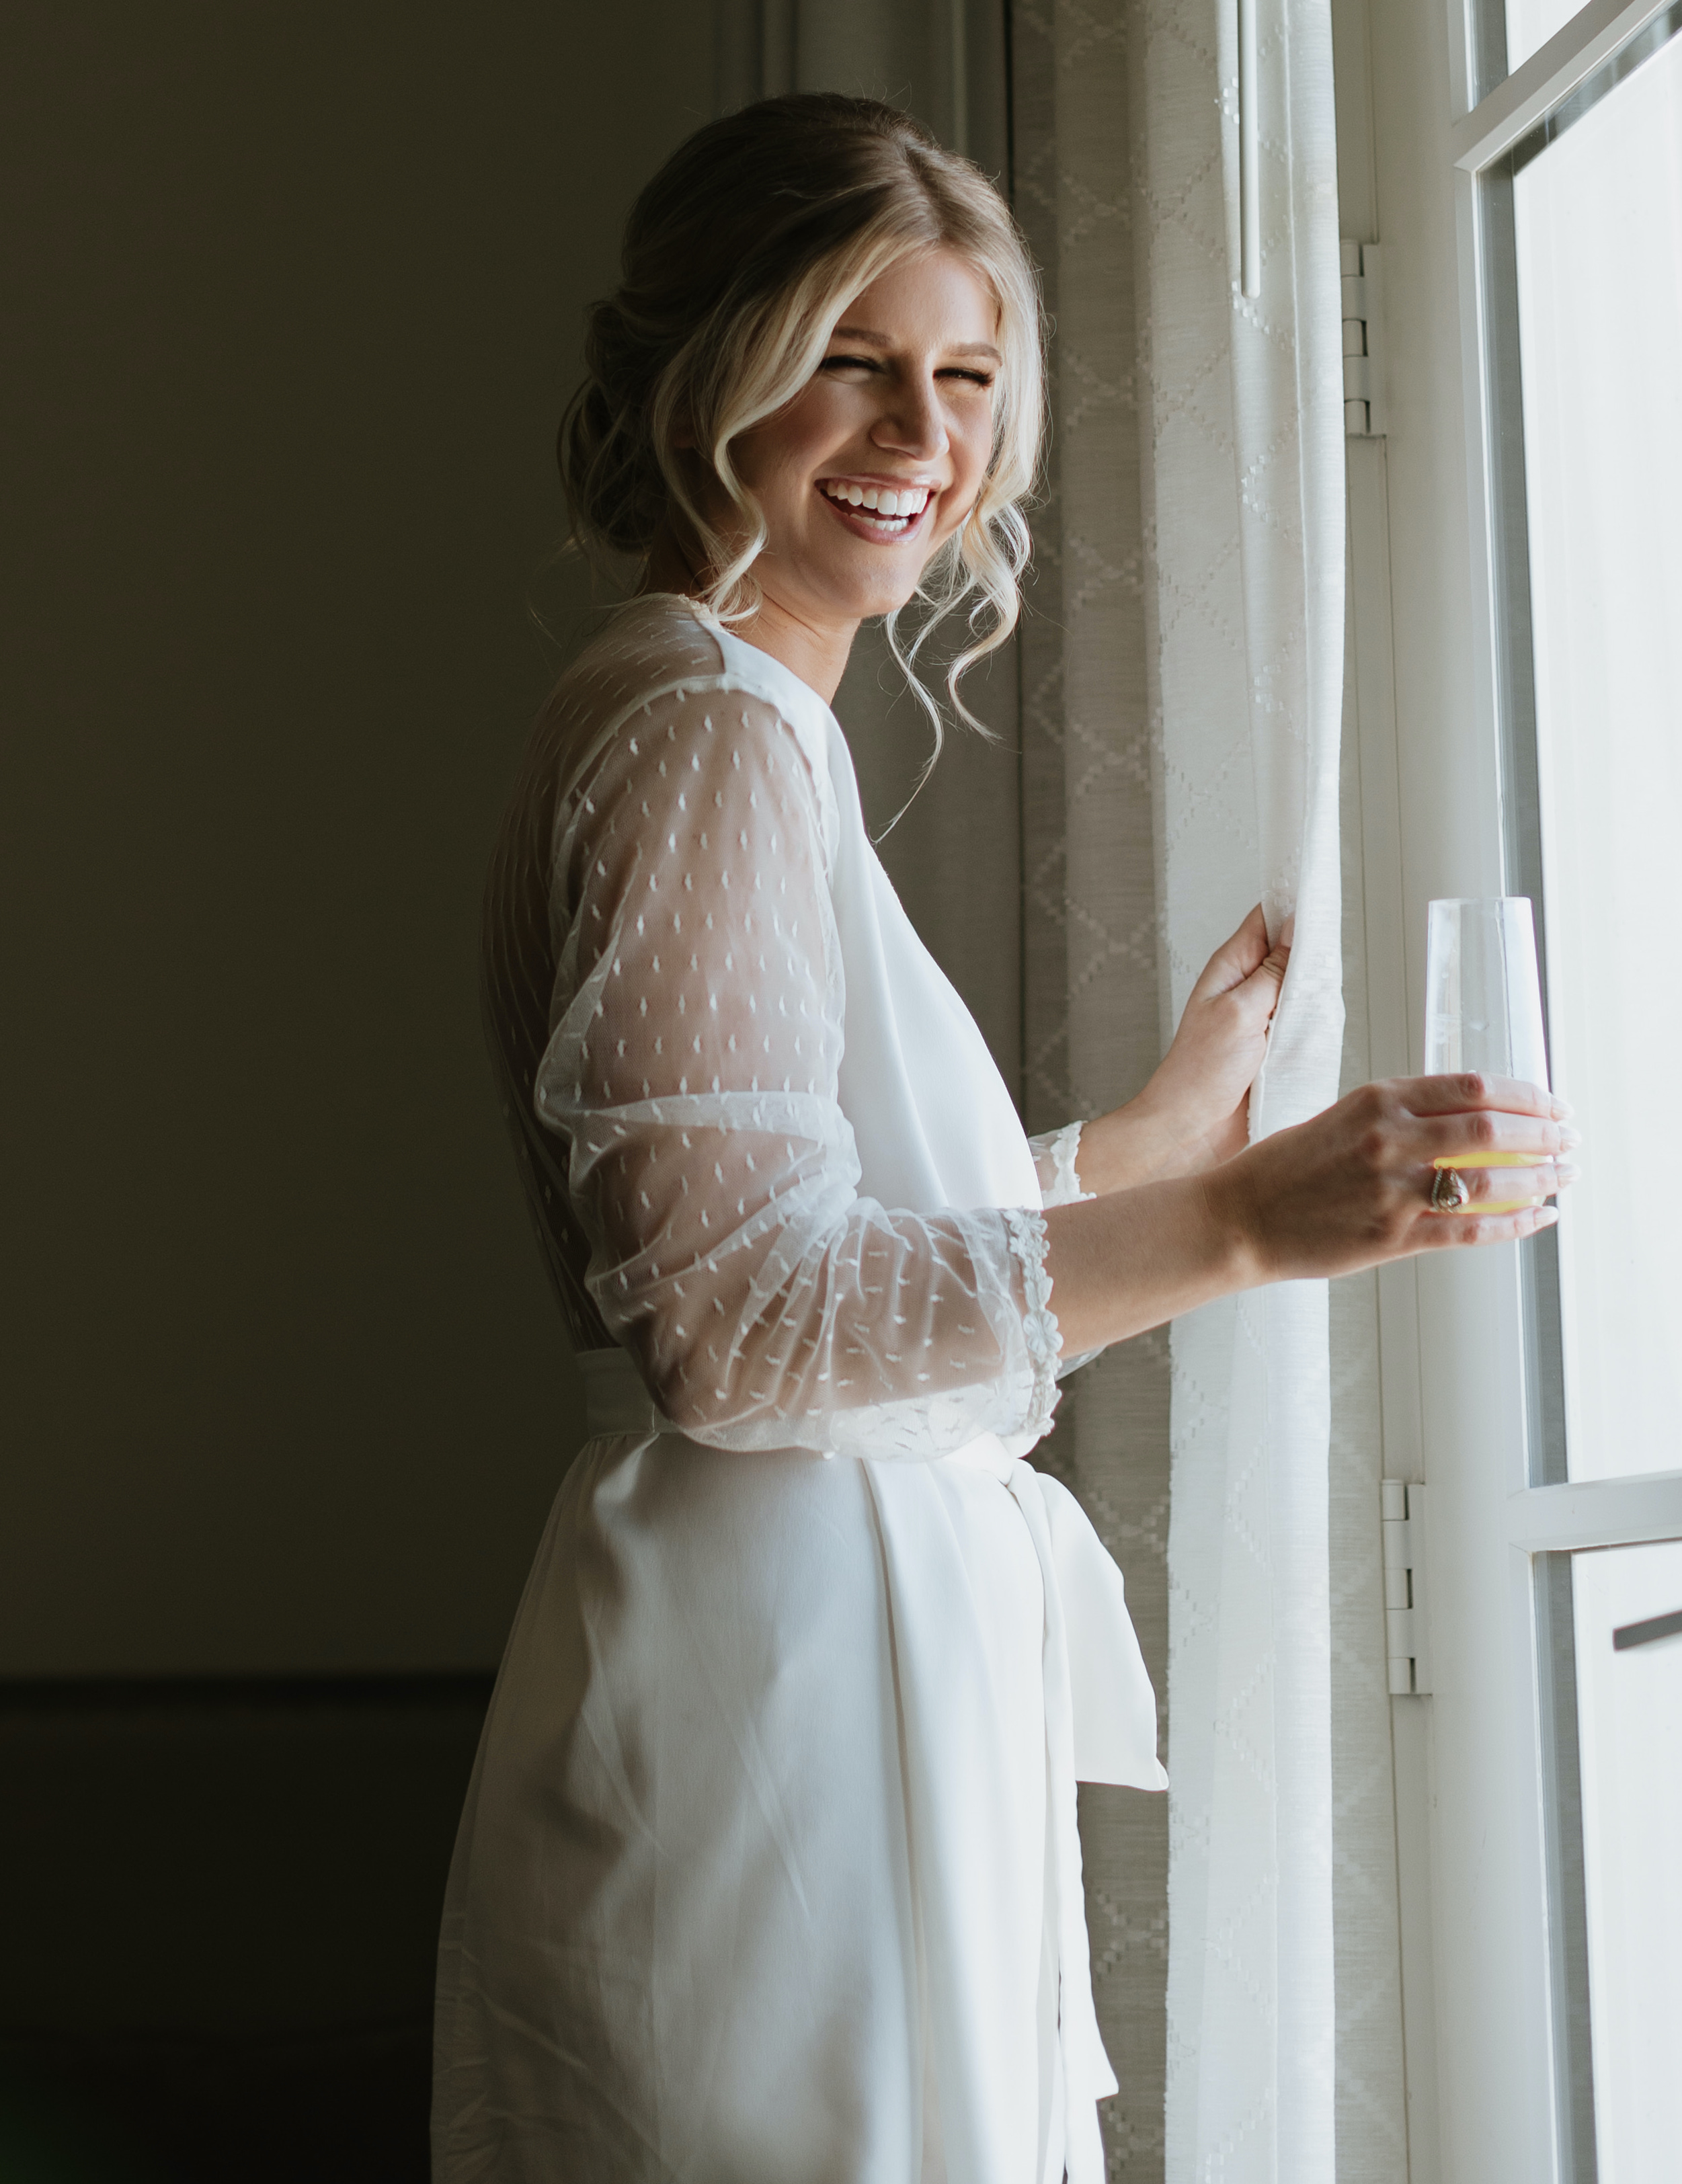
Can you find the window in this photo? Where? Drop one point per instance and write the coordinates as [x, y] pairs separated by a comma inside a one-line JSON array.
[[1528, 187], [1628, 1659]]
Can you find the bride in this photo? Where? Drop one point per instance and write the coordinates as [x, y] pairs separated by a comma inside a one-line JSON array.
[[768, 1871]]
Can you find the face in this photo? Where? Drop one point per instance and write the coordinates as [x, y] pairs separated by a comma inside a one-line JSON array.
[[878, 459]]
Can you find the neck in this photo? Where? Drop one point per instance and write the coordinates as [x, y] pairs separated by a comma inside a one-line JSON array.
[[816, 651], [815, 648]]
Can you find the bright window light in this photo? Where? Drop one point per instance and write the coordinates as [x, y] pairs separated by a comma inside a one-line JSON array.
[[1598, 218], [1629, 1735], [1532, 23]]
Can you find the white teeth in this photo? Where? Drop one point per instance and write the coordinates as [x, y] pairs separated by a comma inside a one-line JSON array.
[[887, 503]]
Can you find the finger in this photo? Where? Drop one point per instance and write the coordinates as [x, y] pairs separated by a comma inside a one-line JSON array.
[[1255, 1000], [1472, 1089], [1473, 1135], [1441, 1235], [1236, 959], [1505, 1187], [1270, 972]]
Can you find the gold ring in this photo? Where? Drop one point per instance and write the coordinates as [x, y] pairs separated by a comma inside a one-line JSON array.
[[1449, 1192]]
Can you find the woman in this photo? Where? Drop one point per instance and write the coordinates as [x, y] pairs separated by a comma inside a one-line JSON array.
[[769, 1869]]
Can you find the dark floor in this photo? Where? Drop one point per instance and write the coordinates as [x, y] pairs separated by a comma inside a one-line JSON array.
[[105, 2111], [219, 1909]]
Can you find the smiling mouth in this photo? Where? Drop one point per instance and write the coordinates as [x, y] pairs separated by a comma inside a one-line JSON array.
[[875, 510]]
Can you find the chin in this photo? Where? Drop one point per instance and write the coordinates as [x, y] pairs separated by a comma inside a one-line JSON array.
[[867, 595]]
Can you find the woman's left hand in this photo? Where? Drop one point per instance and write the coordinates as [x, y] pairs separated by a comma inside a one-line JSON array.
[[1195, 1112]]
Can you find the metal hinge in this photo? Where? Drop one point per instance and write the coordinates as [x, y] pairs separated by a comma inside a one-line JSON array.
[[1406, 1643], [1365, 410]]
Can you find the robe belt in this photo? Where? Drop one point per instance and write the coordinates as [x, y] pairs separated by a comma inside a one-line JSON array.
[[616, 1401]]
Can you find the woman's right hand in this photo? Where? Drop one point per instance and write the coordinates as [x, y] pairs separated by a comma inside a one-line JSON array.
[[1352, 1187], [1349, 1188]]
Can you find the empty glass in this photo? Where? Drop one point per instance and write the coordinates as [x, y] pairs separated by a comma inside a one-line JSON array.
[[1484, 1005]]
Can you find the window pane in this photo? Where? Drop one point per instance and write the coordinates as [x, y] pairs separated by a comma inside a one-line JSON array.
[[1532, 23], [1598, 231], [1629, 1736]]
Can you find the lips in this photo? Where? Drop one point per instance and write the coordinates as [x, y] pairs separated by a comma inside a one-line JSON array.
[[875, 510]]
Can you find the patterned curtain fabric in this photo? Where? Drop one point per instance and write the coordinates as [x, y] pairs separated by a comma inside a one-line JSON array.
[[1181, 682], [1244, 510], [1092, 1023]]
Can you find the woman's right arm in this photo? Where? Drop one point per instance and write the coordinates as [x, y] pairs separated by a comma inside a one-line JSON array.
[[1347, 1189], [693, 1065]]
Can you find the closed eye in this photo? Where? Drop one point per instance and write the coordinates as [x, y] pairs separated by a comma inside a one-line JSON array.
[[976, 378]]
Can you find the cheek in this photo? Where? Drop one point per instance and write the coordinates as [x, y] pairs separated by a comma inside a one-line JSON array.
[[971, 450], [786, 449], [760, 458]]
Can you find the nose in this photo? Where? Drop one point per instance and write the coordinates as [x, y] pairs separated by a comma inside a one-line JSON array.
[[912, 423]]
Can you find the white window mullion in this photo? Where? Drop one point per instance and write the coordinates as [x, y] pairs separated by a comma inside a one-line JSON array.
[[1597, 1512], [1515, 106]]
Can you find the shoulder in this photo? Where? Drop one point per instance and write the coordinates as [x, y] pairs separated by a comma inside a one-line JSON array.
[[665, 693], [649, 646]]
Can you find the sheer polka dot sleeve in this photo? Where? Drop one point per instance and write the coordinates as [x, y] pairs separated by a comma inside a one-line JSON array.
[[691, 1069]]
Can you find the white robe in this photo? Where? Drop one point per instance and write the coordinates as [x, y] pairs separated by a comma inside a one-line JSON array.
[[768, 1871]]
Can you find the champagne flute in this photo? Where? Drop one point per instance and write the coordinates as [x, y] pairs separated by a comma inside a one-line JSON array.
[[1484, 1006]]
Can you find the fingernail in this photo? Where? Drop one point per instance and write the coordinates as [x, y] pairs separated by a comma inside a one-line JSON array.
[[1566, 1171], [1546, 1217], [1562, 1110], [1568, 1137]]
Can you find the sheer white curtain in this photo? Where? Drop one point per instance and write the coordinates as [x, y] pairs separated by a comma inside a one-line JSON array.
[[1243, 425]]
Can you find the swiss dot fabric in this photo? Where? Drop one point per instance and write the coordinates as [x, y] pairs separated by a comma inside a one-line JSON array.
[[669, 912], [770, 1865]]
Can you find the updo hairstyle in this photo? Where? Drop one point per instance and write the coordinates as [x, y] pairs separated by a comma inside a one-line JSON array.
[[739, 258]]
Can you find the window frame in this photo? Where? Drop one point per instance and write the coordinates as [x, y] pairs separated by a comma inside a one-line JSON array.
[[1497, 2068]]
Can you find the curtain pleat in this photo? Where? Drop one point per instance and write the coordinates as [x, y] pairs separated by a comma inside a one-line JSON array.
[[1091, 1025], [1244, 510], [1180, 709]]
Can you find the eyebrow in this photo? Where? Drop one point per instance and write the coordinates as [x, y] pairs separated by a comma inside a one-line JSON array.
[[884, 341]]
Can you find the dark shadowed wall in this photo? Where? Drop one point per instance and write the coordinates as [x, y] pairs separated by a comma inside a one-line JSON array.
[[293, 295], [293, 298]]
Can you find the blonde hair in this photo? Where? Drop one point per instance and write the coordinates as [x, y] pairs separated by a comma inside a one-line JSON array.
[[739, 257]]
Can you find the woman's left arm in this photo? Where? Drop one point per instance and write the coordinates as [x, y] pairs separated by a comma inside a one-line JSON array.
[[1195, 1112]]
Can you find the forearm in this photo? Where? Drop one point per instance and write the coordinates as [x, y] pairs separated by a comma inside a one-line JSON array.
[[1347, 1189], [1136, 1257], [1192, 1115], [1134, 1146], [804, 1326]]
